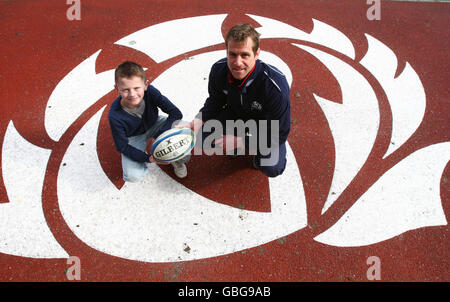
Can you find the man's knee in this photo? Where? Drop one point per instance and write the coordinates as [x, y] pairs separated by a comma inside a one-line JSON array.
[[270, 170]]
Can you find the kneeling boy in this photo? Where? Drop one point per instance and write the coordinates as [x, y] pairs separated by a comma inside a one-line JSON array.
[[134, 119]]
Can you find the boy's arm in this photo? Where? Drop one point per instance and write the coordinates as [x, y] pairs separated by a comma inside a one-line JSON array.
[[161, 101], [121, 142]]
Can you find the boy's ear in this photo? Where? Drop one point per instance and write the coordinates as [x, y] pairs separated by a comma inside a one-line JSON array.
[[147, 82]]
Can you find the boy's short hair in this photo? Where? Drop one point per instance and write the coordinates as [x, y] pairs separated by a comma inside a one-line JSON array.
[[240, 32], [129, 69]]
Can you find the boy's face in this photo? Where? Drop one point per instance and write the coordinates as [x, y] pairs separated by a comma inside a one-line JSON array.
[[241, 58], [132, 91]]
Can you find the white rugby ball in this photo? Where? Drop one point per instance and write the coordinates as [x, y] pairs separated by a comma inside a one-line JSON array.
[[173, 144]]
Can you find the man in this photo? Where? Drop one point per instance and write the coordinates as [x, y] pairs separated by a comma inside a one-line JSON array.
[[241, 87]]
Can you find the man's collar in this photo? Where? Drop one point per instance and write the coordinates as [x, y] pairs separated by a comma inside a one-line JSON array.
[[243, 82]]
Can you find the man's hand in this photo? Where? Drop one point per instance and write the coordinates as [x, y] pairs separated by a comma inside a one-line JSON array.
[[195, 125], [229, 142]]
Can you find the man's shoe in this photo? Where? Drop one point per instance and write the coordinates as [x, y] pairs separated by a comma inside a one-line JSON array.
[[179, 169]]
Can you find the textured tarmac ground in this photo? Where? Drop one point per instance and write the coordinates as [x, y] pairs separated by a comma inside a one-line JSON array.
[[366, 191]]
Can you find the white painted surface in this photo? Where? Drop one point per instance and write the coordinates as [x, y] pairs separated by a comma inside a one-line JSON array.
[[153, 221], [405, 198], [78, 90], [23, 228], [405, 93], [156, 219], [354, 123], [169, 39], [322, 34]]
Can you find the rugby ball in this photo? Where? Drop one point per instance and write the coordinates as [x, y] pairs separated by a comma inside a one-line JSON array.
[[173, 144]]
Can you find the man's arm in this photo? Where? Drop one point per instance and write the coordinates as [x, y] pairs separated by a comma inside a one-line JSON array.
[[279, 110], [277, 107]]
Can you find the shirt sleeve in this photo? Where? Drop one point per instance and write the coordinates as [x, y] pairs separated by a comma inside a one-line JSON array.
[[277, 106], [121, 142], [162, 102]]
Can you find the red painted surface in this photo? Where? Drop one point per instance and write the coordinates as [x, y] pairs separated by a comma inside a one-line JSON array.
[[39, 46]]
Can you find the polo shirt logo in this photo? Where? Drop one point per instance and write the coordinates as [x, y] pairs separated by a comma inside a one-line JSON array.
[[256, 106]]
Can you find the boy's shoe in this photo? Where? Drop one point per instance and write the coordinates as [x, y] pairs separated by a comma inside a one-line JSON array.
[[179, 169]]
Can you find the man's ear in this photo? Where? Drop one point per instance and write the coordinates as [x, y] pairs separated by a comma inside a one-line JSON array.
[[147, 82], [257, 53]]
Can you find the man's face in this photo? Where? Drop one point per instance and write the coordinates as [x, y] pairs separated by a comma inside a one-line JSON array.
[[241, 58], [132, 91]]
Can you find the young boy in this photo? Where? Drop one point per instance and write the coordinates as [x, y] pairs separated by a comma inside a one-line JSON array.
[[134, 119]]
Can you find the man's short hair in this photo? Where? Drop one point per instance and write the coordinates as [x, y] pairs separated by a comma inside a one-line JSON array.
[[129, 69], [241, 32]]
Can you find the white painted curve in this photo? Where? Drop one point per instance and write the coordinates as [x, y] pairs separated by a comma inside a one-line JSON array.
[[23, 227], [405, 93], [157, 219], [405, 198], [169, 39], [322, 34], [354, 123], [78, 90]]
